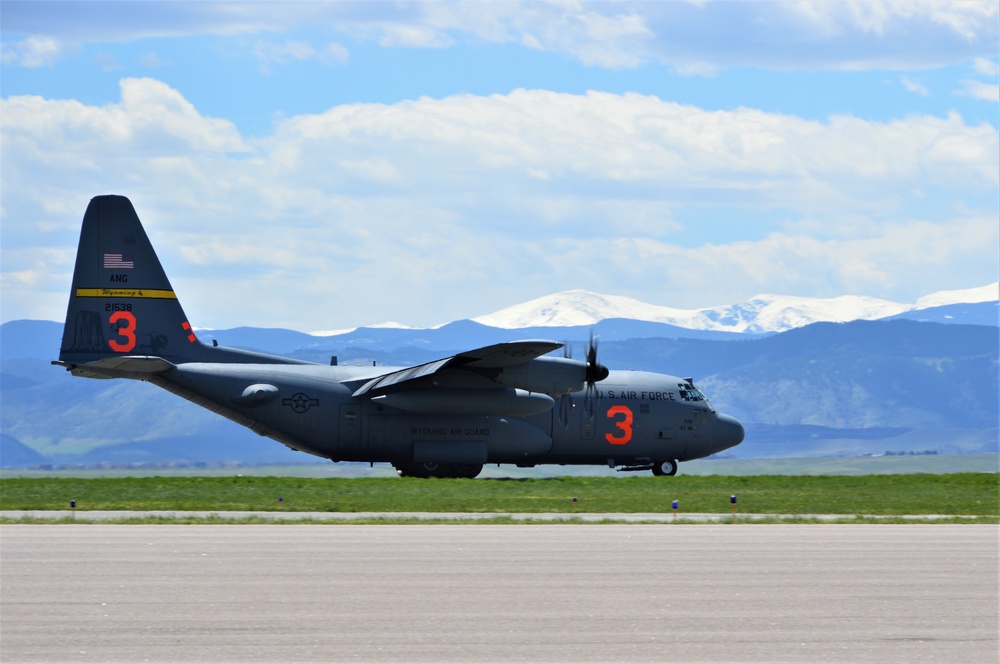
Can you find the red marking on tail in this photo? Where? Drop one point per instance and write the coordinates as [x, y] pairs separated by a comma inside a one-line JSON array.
[[187, 326]]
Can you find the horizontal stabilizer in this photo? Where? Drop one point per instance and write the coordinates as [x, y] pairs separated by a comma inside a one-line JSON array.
[[112, 367]]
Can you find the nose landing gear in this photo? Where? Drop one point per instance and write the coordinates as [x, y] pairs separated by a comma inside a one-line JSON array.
[[665, 467]]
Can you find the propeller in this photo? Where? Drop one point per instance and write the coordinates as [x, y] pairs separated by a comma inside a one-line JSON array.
[[595, 372]]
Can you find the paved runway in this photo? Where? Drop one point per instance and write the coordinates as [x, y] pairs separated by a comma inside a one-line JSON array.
[[481, 593]]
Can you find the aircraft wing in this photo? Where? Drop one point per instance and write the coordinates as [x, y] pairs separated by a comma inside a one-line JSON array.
[[479, 365]]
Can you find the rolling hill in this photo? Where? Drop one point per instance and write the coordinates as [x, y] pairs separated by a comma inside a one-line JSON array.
[[922, 377]]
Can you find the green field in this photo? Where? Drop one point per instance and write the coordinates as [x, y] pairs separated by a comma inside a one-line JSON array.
[[885, 465], [973, 494]]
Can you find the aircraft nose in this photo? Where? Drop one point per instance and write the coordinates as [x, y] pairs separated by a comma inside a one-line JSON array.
[[729, 430]]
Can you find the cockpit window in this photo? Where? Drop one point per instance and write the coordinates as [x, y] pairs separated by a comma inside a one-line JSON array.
[[689, 392]]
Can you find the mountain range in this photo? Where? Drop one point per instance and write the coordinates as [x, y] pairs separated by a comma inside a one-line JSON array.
[[760, 315], [807, 377]]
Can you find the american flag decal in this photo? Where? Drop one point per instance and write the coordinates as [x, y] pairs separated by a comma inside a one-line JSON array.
[[118, 262]]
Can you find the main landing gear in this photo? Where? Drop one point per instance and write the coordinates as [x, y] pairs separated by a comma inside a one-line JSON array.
[[667, 467], [439, 470]]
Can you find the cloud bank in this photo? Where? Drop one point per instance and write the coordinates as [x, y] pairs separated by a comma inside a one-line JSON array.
[[429, 210], [697, 38]]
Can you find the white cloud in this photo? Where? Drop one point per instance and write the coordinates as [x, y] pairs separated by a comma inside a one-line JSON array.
[[848, 35], [609, 40], [691, 37], [152, 119], [412, 36], [434, 209], [107, 62], [674, 150], [986, 67], [700, 38], [268, 53], [966, 19], [33, 52], [980, 90], [896, 257], [151, 60], [913, 86]]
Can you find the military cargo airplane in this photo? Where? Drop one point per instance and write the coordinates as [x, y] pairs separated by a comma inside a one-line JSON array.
[[509, 403]]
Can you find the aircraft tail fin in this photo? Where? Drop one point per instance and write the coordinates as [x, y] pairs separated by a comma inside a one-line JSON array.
[[121, 303], [122, 311]]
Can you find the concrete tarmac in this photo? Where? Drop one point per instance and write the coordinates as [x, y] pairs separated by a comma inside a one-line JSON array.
[[499, 593]]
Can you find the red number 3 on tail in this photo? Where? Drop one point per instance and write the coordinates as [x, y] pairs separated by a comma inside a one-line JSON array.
[[126, 331]]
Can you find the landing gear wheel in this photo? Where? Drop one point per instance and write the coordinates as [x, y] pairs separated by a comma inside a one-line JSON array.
[[668, 467], [466, 470], [425, 470]]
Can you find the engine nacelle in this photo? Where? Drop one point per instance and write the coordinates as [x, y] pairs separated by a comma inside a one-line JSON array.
[[552, 375]]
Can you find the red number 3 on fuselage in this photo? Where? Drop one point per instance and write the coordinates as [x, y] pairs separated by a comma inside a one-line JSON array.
[[624, 424]]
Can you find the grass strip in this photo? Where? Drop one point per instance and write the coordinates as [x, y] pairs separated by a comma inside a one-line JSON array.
[[968, 494]]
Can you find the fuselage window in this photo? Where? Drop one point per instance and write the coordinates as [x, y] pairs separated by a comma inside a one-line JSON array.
[[689, 392]]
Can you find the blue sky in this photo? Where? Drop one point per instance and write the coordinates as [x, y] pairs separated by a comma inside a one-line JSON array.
[[326, 165]]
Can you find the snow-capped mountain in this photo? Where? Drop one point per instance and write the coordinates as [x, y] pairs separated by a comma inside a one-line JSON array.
[[580, 307], [761, 314], [988, 293], [777, 313]]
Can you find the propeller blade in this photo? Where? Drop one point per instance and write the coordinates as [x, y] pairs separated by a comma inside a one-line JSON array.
[[595, 372]]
